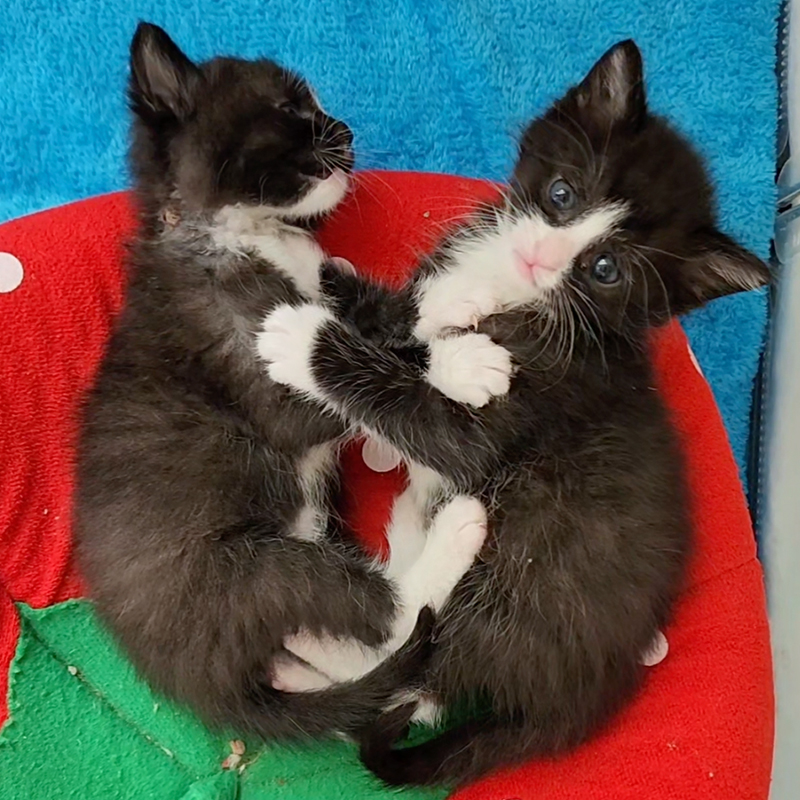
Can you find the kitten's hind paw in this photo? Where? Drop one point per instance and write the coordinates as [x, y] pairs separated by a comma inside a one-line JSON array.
[[291, 675], [455, 539], [470, 369], [342, 659], [459, 529]]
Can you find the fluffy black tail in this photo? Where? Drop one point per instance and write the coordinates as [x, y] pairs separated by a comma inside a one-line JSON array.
[[457, 756], [346, 707]]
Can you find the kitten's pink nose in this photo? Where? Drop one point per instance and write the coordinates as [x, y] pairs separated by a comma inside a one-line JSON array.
[[548, 255]]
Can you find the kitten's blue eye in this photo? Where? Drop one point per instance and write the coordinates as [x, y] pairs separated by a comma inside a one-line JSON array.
[[561, 195], [605, 270]]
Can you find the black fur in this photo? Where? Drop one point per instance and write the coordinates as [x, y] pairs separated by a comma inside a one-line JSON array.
[[187, 466], [579, 466], [226, 131]]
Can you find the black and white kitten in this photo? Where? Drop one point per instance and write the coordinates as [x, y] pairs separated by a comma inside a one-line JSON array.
[[202, 514], [608, 228]]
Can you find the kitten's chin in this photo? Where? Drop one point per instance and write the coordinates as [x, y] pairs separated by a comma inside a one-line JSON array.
[[321, 198]]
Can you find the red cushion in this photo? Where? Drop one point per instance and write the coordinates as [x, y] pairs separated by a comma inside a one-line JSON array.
[[703, 725]]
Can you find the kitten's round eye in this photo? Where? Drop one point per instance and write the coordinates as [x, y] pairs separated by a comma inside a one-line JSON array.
[[561, 195], [605, 270]]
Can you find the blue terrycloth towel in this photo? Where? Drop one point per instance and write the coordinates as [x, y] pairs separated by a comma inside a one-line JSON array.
[[438, 85]]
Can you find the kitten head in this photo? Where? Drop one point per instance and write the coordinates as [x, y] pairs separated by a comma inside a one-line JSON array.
[[611, 213], [231, 132]]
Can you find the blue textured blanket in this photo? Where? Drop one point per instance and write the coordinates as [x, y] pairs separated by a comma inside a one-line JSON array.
[[438, 85]]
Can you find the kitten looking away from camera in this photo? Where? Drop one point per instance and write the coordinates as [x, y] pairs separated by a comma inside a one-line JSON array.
[[203, 508]]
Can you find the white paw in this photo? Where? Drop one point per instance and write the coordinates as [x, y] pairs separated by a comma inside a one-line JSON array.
[[438, 310], [455, 538], [470, 368], [289, 675], [340, 659], [286, 342], [460, 528]]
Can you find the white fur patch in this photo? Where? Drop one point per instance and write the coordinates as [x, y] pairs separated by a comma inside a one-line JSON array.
[[314, 468], [323, 196], [286, 342], [406, 532], [428, 712], [309, 524], [470, 368], [342, 659], [291, 250], [454, 541], [489, 274]]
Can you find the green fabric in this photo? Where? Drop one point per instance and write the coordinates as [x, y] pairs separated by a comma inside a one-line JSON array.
[[82, 725]]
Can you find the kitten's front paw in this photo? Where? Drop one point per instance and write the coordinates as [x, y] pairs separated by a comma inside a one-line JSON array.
[[286, 342], [439, 311], [470, 369]]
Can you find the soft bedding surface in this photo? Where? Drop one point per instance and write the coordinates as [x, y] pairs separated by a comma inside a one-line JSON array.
[[438, 85], [80, 724]]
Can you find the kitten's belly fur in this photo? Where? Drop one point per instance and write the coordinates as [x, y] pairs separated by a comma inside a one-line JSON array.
[[406, 533], [299, 257]]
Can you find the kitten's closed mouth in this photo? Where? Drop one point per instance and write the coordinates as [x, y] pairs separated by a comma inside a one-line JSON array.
[[321, 196], [336, 177]]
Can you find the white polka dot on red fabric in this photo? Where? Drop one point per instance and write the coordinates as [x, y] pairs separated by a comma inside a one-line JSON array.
[[694, 359], [380, 456], [11, 272], [657, 651]]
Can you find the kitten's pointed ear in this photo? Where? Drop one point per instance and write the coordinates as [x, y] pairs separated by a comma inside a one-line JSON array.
[[164, 82], [614, 88], [720, 267]]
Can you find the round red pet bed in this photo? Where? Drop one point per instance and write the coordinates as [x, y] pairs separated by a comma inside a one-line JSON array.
[[703, 725]]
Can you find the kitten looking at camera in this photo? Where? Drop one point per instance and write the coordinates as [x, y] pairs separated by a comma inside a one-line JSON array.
[[202, 517], [608, 228]]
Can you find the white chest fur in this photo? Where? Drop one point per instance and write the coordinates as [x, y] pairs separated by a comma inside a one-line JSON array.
[[291, 250]]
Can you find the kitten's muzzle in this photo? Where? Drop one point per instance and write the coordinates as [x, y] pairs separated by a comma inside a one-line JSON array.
[[334, 148]]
